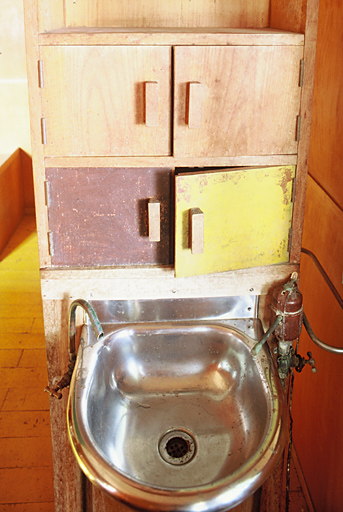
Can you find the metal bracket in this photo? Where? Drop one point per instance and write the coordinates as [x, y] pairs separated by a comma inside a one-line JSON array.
[[301, 73], [40, 74], [298, 128]]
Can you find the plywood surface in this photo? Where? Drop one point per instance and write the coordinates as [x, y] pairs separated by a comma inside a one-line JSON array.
[[249, 104], [94, 100], [11, 197], [100, 217], [247, 217], [241, 13], [326, 156], [323, 232]]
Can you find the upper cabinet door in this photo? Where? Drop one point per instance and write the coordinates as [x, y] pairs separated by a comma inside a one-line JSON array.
[[236, 100], [106, 100], [232, 219]]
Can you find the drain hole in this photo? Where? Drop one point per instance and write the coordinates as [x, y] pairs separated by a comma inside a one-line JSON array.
[[177, 447]]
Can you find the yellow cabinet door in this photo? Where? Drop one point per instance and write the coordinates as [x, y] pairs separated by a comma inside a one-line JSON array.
[[106, 100], [232, 219], [236, 100]]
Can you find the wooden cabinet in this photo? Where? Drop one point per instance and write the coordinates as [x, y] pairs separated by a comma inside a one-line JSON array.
[[125, 95], [118, 100]]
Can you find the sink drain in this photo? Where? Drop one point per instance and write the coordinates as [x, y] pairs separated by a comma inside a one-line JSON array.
[[177, 447]]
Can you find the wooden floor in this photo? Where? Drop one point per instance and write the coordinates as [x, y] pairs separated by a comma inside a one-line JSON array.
[[25, 444]]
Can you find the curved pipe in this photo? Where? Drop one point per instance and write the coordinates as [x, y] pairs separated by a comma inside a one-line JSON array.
[[317, 341], [72, 326], [65, 380], [324, 275]]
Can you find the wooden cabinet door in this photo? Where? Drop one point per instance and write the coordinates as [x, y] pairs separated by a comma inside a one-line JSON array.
[[106, 100], [236, 100], [101, 217], [231, 219]]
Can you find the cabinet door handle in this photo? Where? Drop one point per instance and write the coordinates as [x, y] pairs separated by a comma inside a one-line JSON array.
[[151, 103], [196, 223], [194, 104], [154, 220]]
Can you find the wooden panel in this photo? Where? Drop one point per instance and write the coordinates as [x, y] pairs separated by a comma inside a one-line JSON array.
[[250, 100], [105, 503], [50, 14], [94, 100], [229, 161], [326, 156], [288, 14], [170, 36], [68, 478], [247, 217], [323, 232], [306, 116], [317, 397], [181, 13], [155, 283], [11, 197], [100, 216]]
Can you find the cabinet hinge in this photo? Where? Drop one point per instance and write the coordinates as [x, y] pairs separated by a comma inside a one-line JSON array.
[[43, 130], [40, 74], [47, 193], [293, 190], [301, 73], [290, 236], [50, 243], [298, 128]]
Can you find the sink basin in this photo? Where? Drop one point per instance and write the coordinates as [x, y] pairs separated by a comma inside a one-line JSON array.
[[175, 416]]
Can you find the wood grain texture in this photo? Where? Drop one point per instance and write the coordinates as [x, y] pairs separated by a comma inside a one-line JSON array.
[[93, 100], [191, 162], [306, 117], [170, 36], [25, 442], [11, 197], [326, 159], [99, 217], [32, 57], [289, 14], [180, 13], [250, 100], [311, 394], [68, 479], [323, 232]]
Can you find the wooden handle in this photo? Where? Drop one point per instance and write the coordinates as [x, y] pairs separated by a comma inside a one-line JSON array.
[[151, 103], [154, 218], [196, 223], [194, 104]]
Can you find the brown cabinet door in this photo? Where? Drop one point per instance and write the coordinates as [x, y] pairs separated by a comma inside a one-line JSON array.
[[236, 100], [106, 100], [100, 217]]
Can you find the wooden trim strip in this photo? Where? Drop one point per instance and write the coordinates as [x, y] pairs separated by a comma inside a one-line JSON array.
[[155, 282], [170, 37], [171, 162]]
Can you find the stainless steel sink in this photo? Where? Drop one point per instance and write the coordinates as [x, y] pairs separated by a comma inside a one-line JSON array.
[[176, 415]]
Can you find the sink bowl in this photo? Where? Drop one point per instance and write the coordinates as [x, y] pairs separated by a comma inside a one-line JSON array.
[[175, 416]]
